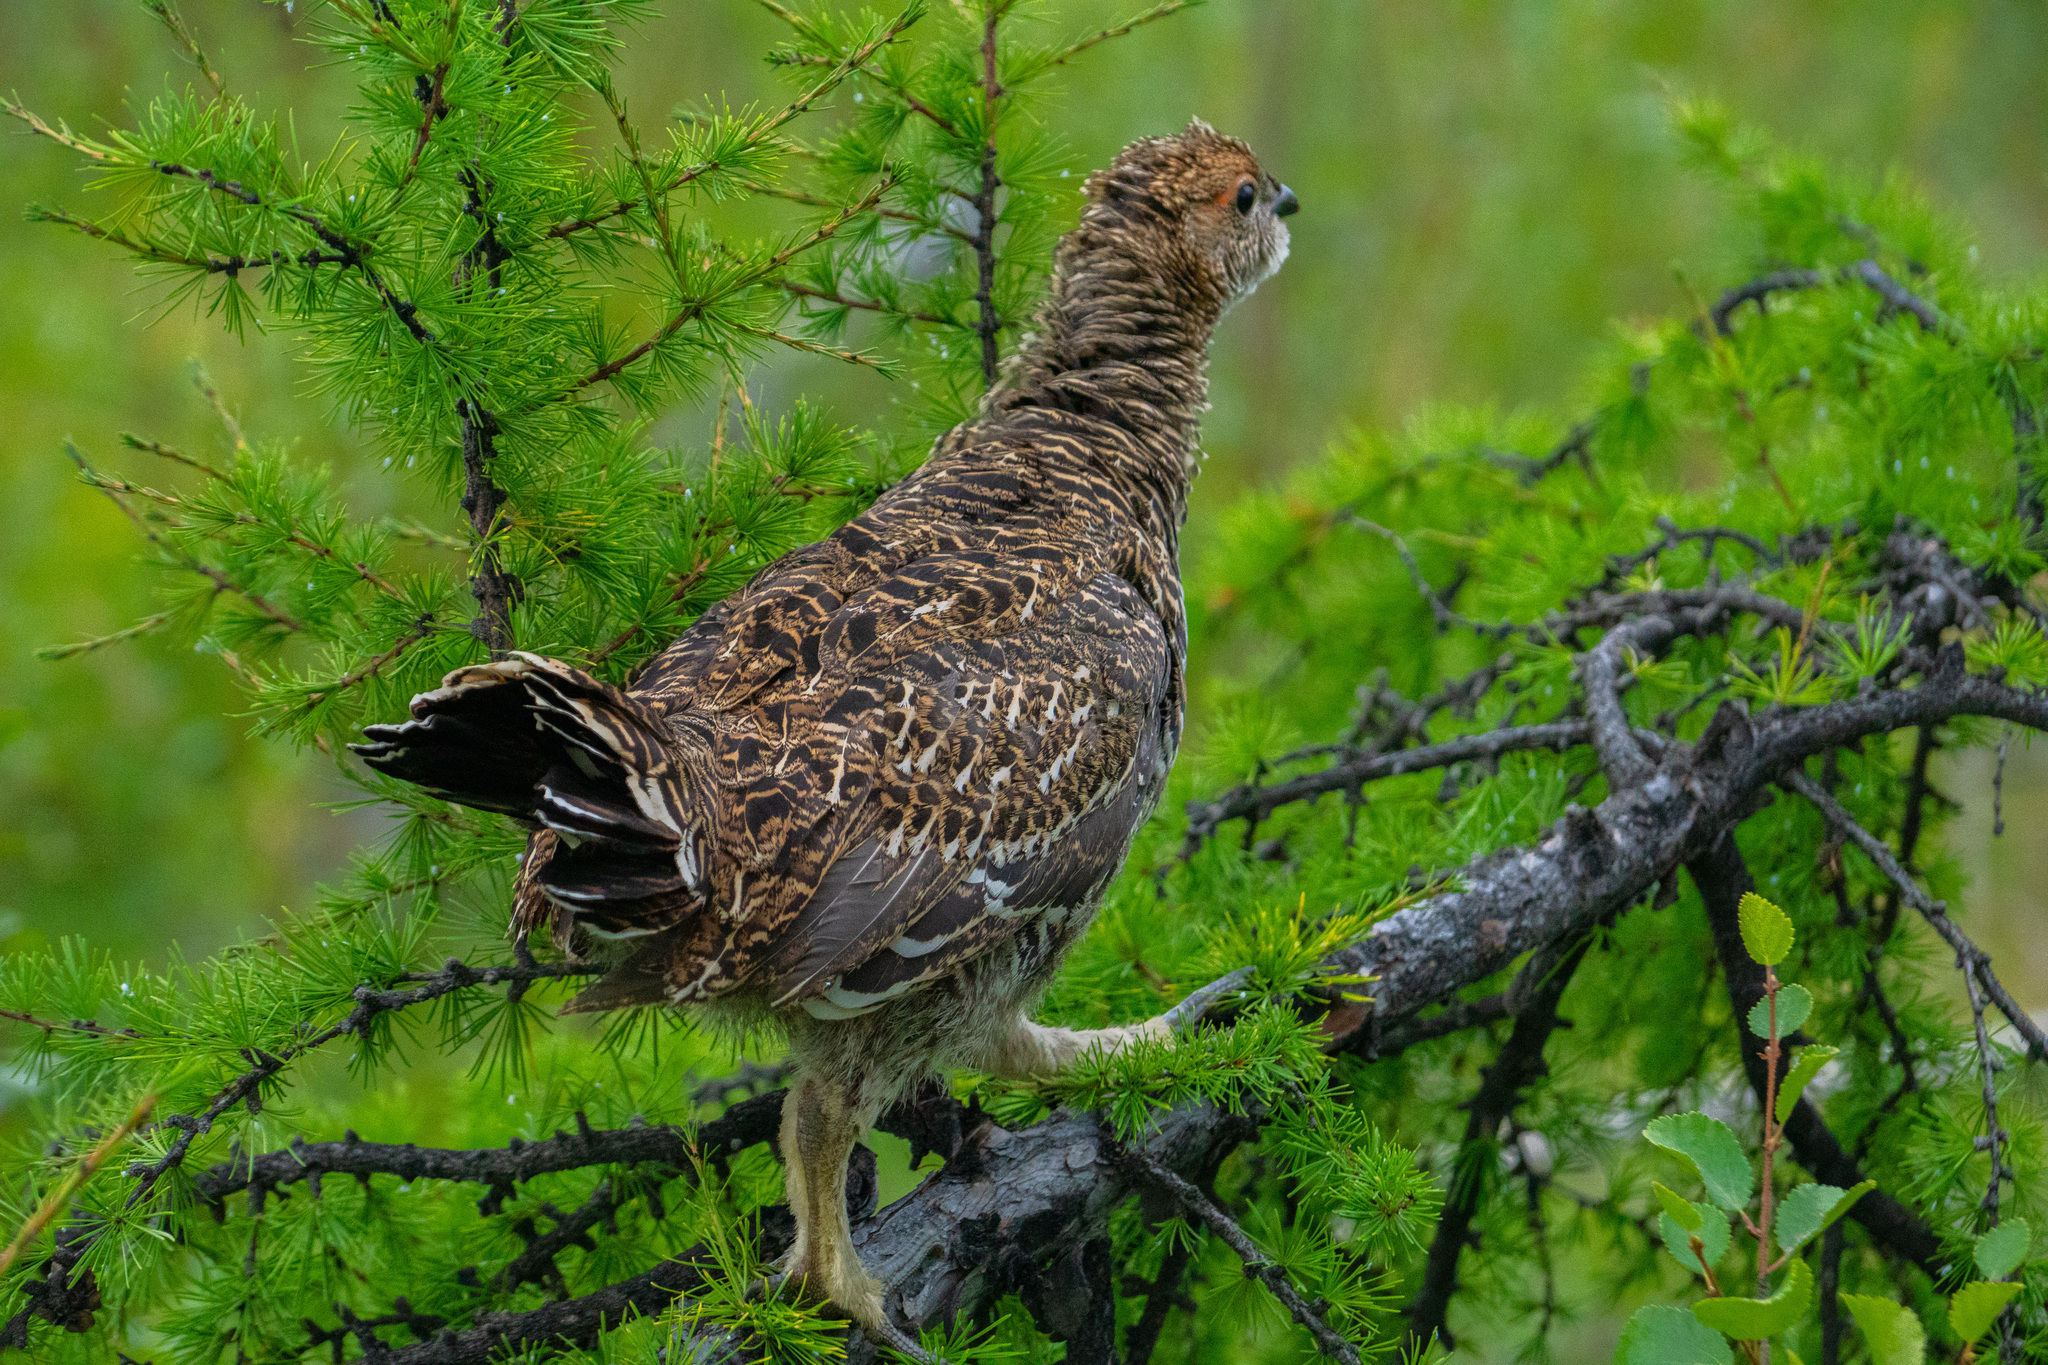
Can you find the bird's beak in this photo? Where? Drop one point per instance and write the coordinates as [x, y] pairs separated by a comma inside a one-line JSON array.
[[1286, 203]]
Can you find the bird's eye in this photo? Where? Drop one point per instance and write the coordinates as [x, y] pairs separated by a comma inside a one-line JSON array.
[[1247, 195]]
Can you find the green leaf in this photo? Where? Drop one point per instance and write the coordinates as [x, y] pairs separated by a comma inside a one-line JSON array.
[[1809, 1209], [1893, 1334], [1849, 1198], [1848, 1202], [1766, 930], [1794, 1004], [1811, 1060], [1713, 1235], [1682, 1210], [1756, 1319], [1975, 1306], [2004, 1249], [1660, 1334], [1713, 1151]]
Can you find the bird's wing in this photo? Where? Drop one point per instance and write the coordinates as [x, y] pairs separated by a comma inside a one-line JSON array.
[[1007, 775], [990, 904]]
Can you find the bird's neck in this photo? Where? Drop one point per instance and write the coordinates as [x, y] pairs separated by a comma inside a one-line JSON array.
[[1119, 352]]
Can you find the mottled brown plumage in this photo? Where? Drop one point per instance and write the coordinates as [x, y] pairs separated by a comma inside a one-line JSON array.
[[876, 793]]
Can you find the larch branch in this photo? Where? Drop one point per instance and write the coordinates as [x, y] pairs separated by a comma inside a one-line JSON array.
[[1974, 961]]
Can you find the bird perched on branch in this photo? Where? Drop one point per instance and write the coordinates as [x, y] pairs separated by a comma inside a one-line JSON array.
[[874, 795]]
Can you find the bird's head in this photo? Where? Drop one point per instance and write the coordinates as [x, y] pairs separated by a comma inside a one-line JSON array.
[[1197, 207]]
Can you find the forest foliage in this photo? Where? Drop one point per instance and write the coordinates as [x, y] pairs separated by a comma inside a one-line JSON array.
[[503, 311]]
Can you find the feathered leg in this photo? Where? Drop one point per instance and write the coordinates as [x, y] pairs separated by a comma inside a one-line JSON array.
[[820, 1124], [1031, 1049]]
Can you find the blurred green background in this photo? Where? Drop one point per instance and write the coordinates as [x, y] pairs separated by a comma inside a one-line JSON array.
[[1487, 188]]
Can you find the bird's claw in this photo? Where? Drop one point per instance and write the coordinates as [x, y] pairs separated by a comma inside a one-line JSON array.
[[1183, 1017], [779, 1282], [900, 1341], [878, 1327]]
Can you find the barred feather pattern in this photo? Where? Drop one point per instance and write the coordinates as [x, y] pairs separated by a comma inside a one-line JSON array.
[[888, 780]]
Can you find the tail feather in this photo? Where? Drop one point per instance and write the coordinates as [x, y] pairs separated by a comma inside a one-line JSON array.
[[586, 874], [582, 809], [547, 744], [478, 759]]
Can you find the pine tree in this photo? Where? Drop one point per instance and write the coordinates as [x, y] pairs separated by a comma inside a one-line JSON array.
[[1549, 695]]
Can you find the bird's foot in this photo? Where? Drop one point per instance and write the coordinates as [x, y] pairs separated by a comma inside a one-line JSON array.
[[1181, 1019], [1110, 1041], [853, 1292], [1158, 1026], [839, 1280], [900, 1341], [1031, 1050]]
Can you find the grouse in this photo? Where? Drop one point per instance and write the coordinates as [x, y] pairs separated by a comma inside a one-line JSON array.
[[872, 797]]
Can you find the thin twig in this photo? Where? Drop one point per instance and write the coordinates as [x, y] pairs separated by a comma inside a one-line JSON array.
[[158, 448], [1441, 610], [351, 253], [423, 535], [433, 108], [1257, 802], [797, 343], [167, 14], [145, 626], [157, 252], [697, 307], [840, 300], [369, 668], [988, 324], [61, 134], [1973, 960], [1865, 272], [1256, 1265], [760, 133], [370, 1001], [819, 201], [220, 581], [48, 1210], [1076, 48], [288, 531], [1575, 445]]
